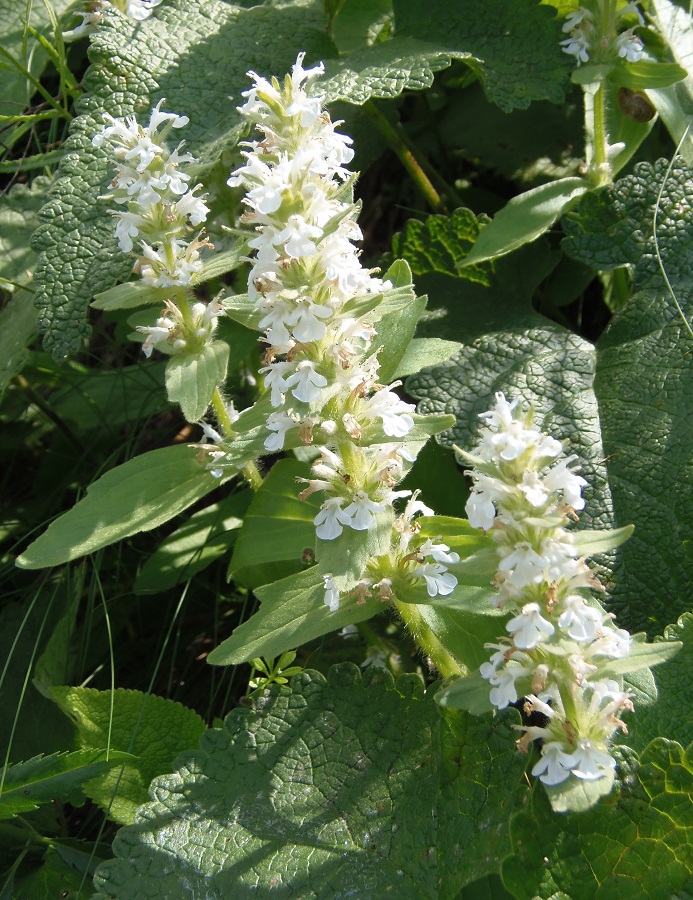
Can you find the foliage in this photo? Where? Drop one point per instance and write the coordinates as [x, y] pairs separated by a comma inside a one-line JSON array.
[[269, 708]]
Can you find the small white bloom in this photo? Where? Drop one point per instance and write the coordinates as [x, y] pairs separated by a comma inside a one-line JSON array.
[[306, 383], [589, 762], [279, 423], [331, 519], [523, 565], [331, 593], [530, 628], [480, 510], [555, 764], [438, 579], [440, 552], [504, 691], [362, 511], [579, 620]]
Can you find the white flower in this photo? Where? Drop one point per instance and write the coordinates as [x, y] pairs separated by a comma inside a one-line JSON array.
[[629, 46], [438, 579], [504, 691], [530, 628], [523, 565], [306, 384], [279, 423], [579, 620], [589, 762], [331, 593], [362, 511], [555, 764], [560, 478], [393, 412], [440, 552], [480, 510], [297, 237], [331, 519]]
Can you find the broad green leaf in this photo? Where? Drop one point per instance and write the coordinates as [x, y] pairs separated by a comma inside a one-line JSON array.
[[355, 24], [240, 309], [137, 496], [292, 612], [395, 330], [61, 776], [152, 729], [641, 656], [54, 878], [516, 44], [643, 359], [17, 330], [525, 218], [204, 538], [192, 377], [422, 352], [669, 716], [635, 843], [439, 243], [577, 796], [130, 295], [328, 786], [278, 525], [346, 557]]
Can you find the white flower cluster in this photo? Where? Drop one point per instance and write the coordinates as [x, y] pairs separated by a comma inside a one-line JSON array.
[[558, 639], [586, 39], [134, 9], [427, 560], [308, 285], [160, 209]]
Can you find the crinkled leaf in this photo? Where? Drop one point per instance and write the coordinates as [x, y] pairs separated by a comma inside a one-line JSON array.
[[636, 843], [192, 377], [152, 729], [292, 612], [525, 218], [61, 776], [205, 537], [669, 716], [327, 785], [644, 380], [440, 243], [516, 44], [137, 496]]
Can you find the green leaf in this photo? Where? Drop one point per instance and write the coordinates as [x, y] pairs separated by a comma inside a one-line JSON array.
[[152, 729], [525, 218], [346, 557], [422, 352], [471, 692], [355, 23], [439, 243], [590, 543], [643, 359], [292, 612], [641, 656], [277, 527], [637, 842], [17, 90], [240, 309], [327, 785], [130, 295], [192, 377], [639, 76], [669, 715], [205, 537], [395, 331], [18, 328], [61, 776], [54, 878], [137, 496], [516, 45]]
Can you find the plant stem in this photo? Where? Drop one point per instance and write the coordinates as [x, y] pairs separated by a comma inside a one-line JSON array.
[[250, 470], [601, 160], [404, 153], [429, 642]]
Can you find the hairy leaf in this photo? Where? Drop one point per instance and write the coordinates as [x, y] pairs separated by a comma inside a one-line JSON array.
[[192, 377], [644, 380], [152, 729], [325, 786]]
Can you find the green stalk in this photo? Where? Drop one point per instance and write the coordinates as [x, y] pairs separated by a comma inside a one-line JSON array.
[[250, 470], [430, 643], [599, 136], [406, 156]]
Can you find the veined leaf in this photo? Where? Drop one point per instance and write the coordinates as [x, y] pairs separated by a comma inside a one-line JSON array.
[[137, 496], [192, 377]]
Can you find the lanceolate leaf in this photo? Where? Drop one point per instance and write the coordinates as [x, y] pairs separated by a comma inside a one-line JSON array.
[[139, 495], [292, 612], [61, 776], [328, 786]]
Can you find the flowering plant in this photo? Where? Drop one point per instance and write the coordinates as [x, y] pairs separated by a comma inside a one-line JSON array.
[[449, 633]]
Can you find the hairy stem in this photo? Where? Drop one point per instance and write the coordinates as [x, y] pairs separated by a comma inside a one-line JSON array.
[[429, 642]]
